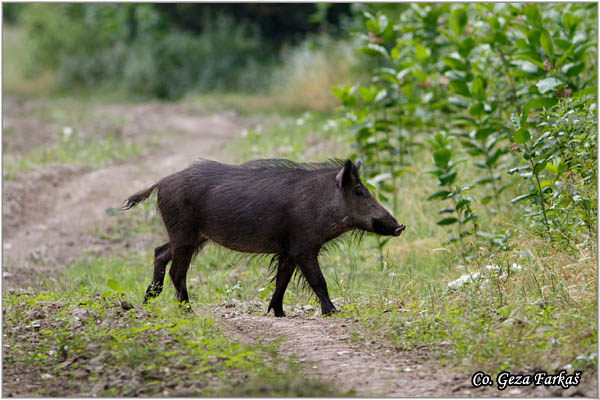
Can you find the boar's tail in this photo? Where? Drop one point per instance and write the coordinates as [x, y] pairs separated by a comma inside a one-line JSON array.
[[138, 197]]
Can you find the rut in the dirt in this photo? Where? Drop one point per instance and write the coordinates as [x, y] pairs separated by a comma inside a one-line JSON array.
[[327, 353], [325, 349]]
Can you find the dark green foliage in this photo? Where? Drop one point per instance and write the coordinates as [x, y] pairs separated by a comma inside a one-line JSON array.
[[165, 50], [461, 212], [484, 73], [560, 166]]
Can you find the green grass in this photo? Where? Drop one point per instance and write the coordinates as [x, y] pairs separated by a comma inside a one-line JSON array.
[[73, 148], [64, 335]]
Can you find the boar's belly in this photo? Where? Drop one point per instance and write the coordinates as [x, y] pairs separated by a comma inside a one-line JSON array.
[[246, 244]]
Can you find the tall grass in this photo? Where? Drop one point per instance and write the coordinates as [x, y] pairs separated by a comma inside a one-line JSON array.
[[309, 70]]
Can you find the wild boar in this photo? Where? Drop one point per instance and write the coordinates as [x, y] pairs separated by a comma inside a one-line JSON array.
[[272, 206]]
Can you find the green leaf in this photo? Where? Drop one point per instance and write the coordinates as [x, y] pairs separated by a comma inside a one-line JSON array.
[[446, 210], [532, 58], [568, 21], [540, 165], [442, 194], [521, 136], [483, 133], [366, 94], [477, 88], [447, 221], [382, 23], [566, 54], [114, 285], [460, 87], [458, 20], [419, 73], [447, 178], [454, 63], [469, 218], [541, 102], [521, 44], [548, 84], [552, 168], [338, 92], [373, 49], [483, 181], [465, 47], [522, 197], [546, 42], [372, 26], [442, 156], [533, 15], [492, 158], [462, 204], [575, 69], [421, 52]]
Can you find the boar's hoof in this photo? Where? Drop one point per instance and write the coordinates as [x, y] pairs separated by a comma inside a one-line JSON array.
[[279, 314], [328, 312]]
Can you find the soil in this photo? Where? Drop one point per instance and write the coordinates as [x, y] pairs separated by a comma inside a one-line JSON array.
[[50, 214]]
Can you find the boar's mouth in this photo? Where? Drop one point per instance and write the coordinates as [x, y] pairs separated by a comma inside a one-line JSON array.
[[387, 228]]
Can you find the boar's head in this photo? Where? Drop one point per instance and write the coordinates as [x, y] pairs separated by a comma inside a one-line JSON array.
[[363, 211]]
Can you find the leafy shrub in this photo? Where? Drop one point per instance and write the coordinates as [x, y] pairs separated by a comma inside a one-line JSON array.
[[118, 44], [484, 73], [561, 169]]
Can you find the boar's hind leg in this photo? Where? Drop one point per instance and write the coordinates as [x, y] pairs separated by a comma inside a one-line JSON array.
[[162, 256], [309, 265], [285, 269], [178, 272]]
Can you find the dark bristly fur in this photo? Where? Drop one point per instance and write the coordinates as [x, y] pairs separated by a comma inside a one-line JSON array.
[[274, 206]]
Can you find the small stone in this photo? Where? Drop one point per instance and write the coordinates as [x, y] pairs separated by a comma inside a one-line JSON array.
[[125, 305]]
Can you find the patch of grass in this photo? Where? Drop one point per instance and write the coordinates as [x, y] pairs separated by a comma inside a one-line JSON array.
[[84, 134], [77, 338], [299, 137], [72, 147]]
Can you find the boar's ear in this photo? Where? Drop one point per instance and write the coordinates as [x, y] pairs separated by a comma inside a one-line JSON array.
[[357, 164], [344, 177]]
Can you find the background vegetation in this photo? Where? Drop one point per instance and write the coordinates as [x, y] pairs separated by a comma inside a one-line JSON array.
[[477, 125]]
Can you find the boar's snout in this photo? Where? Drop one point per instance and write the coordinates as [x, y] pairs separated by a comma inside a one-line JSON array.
[[399, 230], [387, 226]]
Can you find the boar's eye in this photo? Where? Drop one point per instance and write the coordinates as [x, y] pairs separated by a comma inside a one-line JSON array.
[[358, 191]]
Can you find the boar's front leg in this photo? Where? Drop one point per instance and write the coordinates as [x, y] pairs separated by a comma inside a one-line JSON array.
[[285, 269], [309, 265]]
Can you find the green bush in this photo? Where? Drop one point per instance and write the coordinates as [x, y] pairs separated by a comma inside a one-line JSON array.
[[560, 168], [134, 47], [483, 73]]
